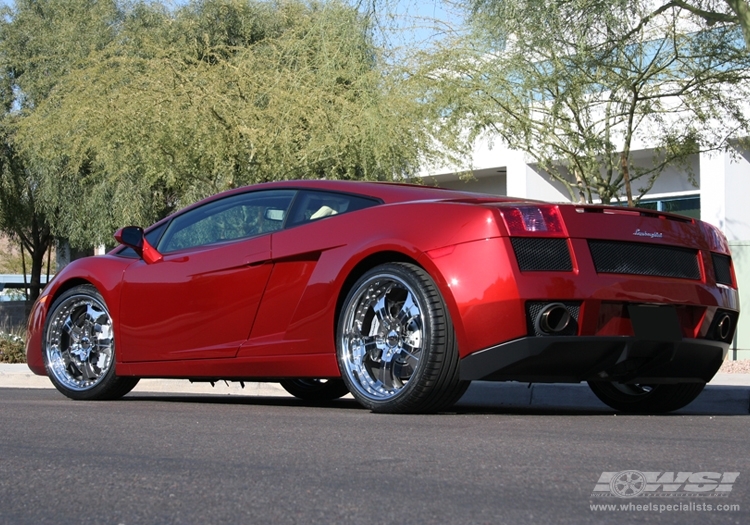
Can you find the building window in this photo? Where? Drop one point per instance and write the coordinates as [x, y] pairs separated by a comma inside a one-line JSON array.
[[688, 206]]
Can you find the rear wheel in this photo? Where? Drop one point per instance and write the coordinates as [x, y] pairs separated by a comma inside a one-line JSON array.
[[646, 399], [315, 389], [79, 347], [395, 343]]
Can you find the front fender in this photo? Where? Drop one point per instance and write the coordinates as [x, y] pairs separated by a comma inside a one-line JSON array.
[[104, 272]]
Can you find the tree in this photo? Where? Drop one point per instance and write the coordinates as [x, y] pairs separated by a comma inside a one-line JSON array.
[[577, 84], [20, 216], [39, 42], [716, 12], [216, 94]]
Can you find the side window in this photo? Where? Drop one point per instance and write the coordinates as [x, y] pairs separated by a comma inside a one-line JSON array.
[[231, 218], [315, 205]]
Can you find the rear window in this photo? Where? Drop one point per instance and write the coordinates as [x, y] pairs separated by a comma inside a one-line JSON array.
[[312, 206]]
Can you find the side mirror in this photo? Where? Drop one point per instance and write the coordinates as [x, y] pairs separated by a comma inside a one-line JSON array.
[[133, 237]]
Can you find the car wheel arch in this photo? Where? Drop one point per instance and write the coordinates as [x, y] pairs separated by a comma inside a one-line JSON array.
[[78, 281], [359, 269], [67, 285], [390, 256], [74, 281]]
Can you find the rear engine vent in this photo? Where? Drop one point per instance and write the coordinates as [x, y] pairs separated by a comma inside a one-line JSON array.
[[722, 271], [542, 255], [644, 259]]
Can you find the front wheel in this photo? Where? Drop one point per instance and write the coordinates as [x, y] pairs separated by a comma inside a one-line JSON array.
[[79, 347], [646, 399], [315, 389], [395, 343]]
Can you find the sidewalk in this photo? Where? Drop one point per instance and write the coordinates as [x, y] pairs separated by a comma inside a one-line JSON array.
[[726, 394]]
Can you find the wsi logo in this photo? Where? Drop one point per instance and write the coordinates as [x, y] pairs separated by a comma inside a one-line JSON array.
[[653, 235], [634, 483]]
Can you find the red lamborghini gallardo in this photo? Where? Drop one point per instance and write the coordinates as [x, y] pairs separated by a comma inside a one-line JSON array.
[[399, 294]]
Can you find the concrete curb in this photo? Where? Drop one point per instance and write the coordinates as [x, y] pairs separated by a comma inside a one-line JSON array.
[[19, 376], [725, 394]]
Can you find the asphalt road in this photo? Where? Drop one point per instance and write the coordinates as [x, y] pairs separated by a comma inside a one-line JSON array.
[[161, 458]]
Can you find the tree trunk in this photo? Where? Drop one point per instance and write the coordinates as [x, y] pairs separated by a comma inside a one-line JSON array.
[[37, 245], [35, 283], [626, 177], [742, 10]]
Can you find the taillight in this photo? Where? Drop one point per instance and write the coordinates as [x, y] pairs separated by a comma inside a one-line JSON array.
[[524, 220], [717, 242]]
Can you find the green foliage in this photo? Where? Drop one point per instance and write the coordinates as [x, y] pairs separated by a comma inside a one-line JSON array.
[[45, 39], [40, 41], [578, 85], [21, 218], [166, 107]]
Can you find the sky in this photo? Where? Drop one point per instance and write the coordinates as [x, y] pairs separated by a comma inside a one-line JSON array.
[[419, 22]]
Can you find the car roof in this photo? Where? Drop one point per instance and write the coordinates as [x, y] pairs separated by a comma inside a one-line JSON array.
[[388, 192]]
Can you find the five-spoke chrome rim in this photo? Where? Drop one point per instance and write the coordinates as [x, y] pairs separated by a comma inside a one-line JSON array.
[[79, 343], [383, 336]]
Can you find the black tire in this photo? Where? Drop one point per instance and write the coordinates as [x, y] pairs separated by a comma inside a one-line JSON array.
[[395, 342], [646, 399], [78, 347], [315, 389]]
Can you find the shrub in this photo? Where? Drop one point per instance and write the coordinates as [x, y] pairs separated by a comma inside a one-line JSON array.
[[12, 348]]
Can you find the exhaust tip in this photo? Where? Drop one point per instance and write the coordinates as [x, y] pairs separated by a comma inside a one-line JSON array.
[[724, 327], [552, 319]]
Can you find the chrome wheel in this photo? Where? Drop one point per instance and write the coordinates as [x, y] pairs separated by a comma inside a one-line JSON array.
[[395, 343], [79, 349], [384, 332], [79, 342]]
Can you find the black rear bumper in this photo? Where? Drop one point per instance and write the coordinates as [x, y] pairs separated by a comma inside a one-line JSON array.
[[572, 359]]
